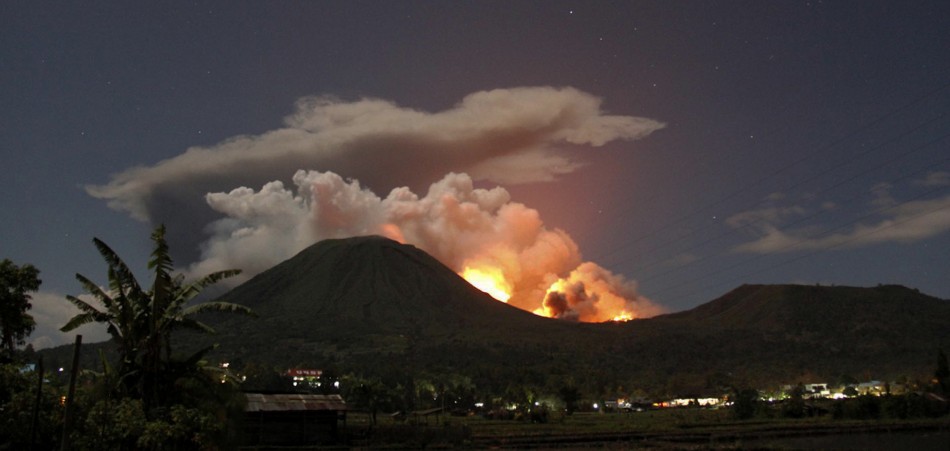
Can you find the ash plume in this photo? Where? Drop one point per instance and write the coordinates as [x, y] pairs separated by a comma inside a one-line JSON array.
[[460, 225], [503, 135], [591, 293]]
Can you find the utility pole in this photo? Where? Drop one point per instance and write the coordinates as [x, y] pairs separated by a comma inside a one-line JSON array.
[[36, 404], [71, 394]]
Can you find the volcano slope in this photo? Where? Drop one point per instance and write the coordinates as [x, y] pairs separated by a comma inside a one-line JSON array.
[[372, 305]]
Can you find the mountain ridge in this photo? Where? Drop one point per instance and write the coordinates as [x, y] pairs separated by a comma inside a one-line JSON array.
[[761, 331], [746, 306], [374, 306]]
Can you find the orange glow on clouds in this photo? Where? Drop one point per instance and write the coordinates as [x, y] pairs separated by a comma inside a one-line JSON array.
[[568, 298], [501, 247], [588, 294]]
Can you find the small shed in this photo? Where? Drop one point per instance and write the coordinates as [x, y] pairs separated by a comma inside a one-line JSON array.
[[425, 414], [293, 418]]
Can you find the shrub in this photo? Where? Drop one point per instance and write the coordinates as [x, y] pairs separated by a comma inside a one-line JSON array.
[[745, 403]]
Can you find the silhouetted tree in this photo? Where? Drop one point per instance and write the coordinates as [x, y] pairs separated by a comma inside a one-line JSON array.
[[847, 379], [16, 284], [570, 395], [18, 399], [794, 406], [744, 402], [368, 393], [260, 377], [942, 374], [141, 320]]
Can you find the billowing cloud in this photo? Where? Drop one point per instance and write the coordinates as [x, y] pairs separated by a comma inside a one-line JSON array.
[[935, 179], [51, 311], [507, 136], [882, 197], [591, 293], [894, 221], [462, 226], [503, 135], [769, 215]]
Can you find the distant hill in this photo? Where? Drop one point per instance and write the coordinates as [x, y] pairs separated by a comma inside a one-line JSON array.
[[805, 307], [788, 332], [372, 305]]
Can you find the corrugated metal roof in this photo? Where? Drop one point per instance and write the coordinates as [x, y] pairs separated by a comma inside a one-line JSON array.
[[427, 412], [281, 402]]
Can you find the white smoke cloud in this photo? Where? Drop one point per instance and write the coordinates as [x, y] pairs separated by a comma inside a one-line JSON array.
[[460, 225], [52, 311], [894, 221], [503, 135], [905, 223], [935, 179]]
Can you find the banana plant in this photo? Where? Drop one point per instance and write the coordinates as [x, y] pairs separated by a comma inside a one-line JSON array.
[[141, 321]]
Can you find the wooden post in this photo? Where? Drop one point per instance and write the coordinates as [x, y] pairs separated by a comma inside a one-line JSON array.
[[36, 404], [71, 394]]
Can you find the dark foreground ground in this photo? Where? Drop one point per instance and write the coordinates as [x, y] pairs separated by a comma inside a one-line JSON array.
[[660, 429]]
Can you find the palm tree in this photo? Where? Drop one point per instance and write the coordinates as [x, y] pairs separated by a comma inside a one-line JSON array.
[[141, 321], [121, 309]]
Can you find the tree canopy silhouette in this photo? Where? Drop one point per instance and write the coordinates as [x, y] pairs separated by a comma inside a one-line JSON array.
[[141, 320], [16, 284]]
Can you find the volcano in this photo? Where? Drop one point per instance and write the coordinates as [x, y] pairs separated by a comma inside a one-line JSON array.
[[370, 304], [367, 296]]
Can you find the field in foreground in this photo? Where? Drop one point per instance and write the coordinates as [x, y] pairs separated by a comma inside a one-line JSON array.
[[659, 429]]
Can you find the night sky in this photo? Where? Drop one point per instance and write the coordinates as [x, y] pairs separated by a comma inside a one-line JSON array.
[[733, 142]]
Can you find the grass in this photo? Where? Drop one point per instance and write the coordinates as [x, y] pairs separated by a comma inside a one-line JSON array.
[[648, 421], [659, 428]]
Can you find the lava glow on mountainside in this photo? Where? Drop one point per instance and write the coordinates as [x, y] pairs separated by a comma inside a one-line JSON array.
[[564, 299], [490, 280]]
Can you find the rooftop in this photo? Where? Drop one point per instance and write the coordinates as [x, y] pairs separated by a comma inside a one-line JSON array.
[[261, 402]]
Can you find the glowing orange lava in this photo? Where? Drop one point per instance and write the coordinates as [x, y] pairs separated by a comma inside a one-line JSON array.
[[623, 316], [586, 301], [589, 294], [543, 311], [490, 280]]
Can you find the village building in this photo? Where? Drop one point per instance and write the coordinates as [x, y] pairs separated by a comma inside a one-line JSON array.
[[293, 419]]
